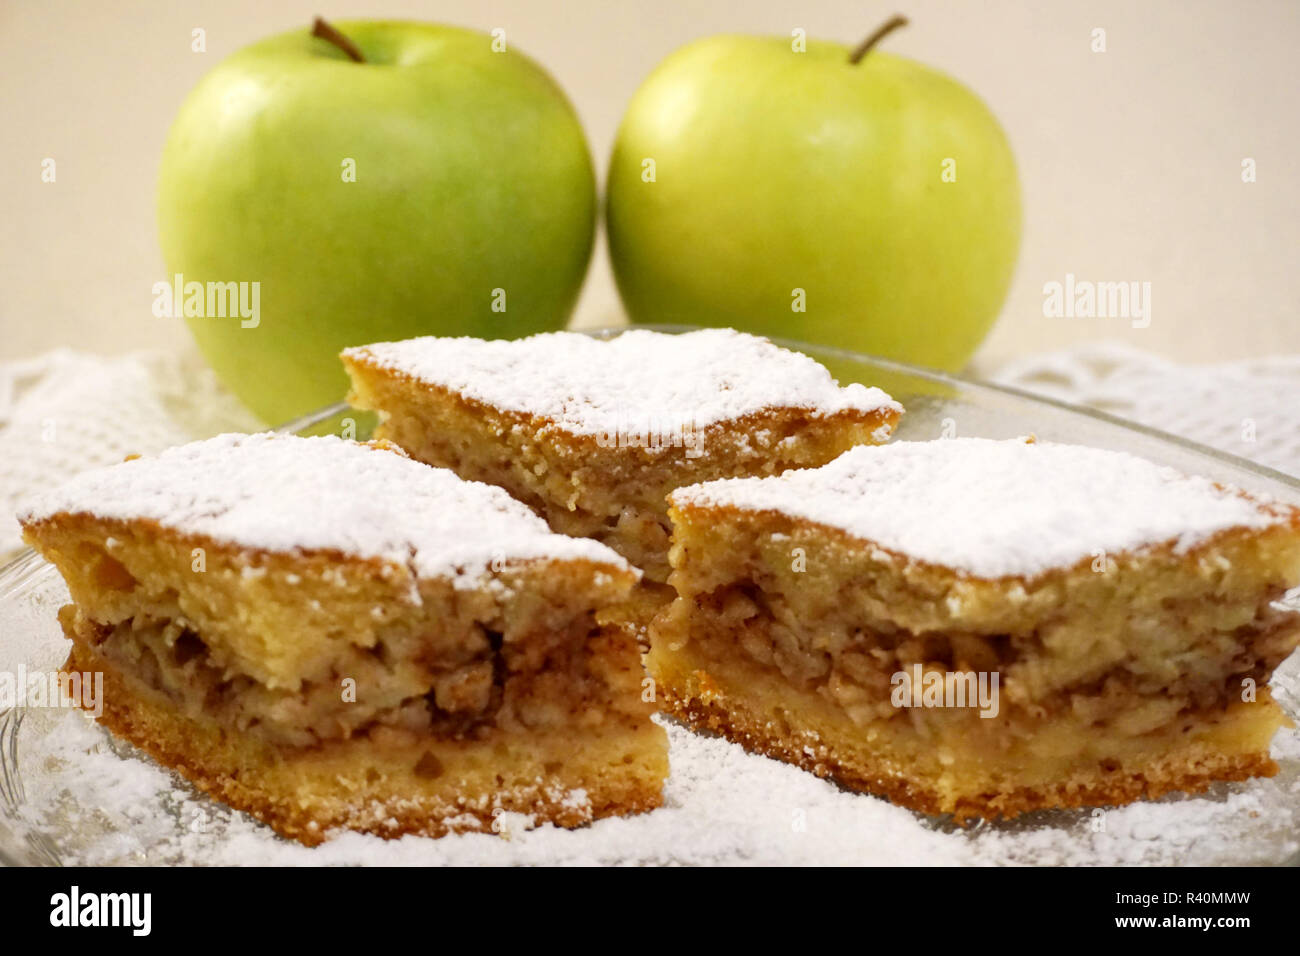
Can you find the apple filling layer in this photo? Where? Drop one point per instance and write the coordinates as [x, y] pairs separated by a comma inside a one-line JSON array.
[[856, 663], [492, 681]]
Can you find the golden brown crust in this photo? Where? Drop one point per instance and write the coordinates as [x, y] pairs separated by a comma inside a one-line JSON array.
[[222, 765], [1187, 772]]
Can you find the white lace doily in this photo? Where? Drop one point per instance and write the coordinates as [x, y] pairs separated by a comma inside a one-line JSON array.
[[1248, 408], [66, 411]]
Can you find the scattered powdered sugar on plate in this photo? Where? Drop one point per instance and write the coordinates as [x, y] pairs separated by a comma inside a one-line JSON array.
[[721, 806], [285, 493], [109, 805], [591, 386], [997, 508], [1252, 823]]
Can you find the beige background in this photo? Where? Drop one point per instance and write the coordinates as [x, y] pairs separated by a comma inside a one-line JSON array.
[[1130, 159]]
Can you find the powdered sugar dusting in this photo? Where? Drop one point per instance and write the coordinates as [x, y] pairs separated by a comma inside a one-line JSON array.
[[997, 508], [283, 493], [590, 386], [721, 806]]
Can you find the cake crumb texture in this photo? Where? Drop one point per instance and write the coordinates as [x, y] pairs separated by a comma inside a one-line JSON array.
[[1127, 659]]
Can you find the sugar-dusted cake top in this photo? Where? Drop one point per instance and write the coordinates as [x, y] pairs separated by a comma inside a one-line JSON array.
[[997, 508], [591, 386], [282, 493]]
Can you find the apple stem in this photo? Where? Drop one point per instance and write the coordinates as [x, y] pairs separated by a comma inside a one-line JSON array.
[[322, 28], [886, 28]]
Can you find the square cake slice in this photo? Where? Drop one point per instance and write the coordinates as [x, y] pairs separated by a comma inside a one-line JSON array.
[[983, 628], [327, 634], [594, 433]]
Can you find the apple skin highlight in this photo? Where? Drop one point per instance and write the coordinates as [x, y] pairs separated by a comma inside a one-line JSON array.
[[873, 206], [469, 210]]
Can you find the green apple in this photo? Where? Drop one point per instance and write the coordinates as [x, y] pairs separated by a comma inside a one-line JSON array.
[[441, 185], [871, 205]]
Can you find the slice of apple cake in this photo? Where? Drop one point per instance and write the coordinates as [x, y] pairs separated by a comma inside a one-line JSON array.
[[594, 433], [328, 634], [982, 627]]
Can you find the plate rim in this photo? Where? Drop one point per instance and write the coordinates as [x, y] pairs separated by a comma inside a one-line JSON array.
[[27, 562]]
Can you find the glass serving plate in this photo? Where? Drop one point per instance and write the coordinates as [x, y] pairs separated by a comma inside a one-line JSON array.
[[70, 793]]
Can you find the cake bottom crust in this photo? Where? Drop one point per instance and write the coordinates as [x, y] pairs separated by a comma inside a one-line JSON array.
[[424, 787], [771, 726]]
